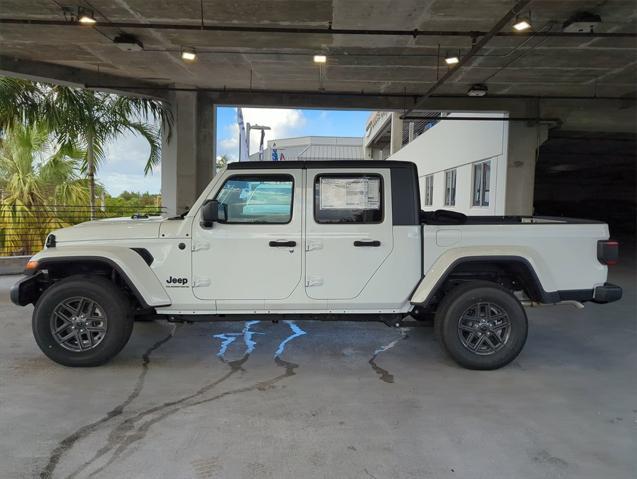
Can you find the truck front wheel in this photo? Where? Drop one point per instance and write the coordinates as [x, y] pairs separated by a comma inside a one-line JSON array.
[[82, 321], [481, 325]]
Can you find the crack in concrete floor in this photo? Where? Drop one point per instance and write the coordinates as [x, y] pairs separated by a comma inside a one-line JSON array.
[[126, 433], [67, 443], [383, 374]]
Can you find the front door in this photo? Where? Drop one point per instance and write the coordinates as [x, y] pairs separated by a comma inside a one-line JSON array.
[[254, 253], [348, 230]]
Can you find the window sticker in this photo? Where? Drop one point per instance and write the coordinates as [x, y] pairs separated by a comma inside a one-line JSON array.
[[350, 193]]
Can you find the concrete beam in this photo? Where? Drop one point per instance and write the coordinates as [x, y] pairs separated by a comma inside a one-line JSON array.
[[578, 114], [76, 77]]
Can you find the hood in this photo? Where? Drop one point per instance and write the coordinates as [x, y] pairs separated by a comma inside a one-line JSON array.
[[112, 229]]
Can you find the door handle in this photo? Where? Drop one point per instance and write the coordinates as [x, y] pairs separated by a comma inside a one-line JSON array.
[[374, 243], [282, 244]]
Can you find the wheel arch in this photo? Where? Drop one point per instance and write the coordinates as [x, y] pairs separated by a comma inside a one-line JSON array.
[[432, 286], [127, 264]]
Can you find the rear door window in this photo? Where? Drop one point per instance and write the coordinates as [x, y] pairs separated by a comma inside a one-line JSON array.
[[348, 198]]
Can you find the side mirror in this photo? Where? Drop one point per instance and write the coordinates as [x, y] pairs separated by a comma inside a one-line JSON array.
[[212, 211]]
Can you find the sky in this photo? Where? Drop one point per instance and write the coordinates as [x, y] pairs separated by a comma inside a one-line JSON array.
[[123, 168]]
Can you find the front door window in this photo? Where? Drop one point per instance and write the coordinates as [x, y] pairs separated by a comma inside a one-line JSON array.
[[263, 199]]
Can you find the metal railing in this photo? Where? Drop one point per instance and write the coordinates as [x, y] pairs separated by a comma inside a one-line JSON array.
[[23, 229]]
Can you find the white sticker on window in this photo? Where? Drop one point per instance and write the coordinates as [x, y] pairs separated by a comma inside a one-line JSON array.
[[350, 194]]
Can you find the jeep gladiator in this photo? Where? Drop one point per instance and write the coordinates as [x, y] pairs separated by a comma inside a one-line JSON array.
[[313, 240]]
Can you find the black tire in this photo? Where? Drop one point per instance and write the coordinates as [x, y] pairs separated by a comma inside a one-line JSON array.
[[111, 303], [465, 315]]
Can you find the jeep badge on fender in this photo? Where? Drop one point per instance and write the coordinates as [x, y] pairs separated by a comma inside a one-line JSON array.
[[176, 282]]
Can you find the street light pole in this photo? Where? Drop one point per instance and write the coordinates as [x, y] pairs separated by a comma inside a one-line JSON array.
[[256, 127]]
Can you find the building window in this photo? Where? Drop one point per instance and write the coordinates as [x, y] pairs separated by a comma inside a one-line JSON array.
[[450, 188], [429, 190], [481, 183], [348, 199], [251, 199]]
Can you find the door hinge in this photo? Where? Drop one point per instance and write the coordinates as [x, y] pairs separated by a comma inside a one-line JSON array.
[[313, 244], [200, 246], [313, 281], [201, 282]]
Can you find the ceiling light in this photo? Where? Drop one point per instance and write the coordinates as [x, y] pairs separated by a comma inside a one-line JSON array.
[[188, 55], [87, 19], [478, 90], [85, 16], [451, 60], [521, 24], [320, 59]]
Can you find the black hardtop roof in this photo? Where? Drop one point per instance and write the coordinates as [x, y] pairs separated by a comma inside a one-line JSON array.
[[303, 165]]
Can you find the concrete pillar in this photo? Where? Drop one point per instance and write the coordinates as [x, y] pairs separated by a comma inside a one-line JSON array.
[[523, 144], [188, 156], [396, 141]]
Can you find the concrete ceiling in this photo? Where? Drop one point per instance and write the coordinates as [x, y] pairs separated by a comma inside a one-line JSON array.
[[375, 64]]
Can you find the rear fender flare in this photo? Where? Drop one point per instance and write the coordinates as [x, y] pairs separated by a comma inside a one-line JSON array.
[[435, 278]]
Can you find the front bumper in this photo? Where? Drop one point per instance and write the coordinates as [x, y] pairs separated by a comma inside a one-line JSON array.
[[26, 291], [607, 293]]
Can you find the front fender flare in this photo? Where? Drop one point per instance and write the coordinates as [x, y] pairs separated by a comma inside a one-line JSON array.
[[132, 268]]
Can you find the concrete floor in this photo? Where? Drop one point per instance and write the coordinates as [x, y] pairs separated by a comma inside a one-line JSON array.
[[170, 407]]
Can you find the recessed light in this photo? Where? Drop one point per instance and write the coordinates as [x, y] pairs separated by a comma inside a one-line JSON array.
[[451, 60], [320, 59], [188, 55]]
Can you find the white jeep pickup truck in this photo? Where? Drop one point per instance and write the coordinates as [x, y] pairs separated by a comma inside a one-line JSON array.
[[313, 240]]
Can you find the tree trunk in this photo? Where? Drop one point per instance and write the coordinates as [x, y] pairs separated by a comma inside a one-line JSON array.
[[90, 160]]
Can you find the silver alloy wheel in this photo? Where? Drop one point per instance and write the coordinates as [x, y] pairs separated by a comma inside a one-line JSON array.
[[78, 324], [484, 328]]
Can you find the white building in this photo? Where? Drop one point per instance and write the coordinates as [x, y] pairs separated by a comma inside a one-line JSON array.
[[313, 148], [462, 164]]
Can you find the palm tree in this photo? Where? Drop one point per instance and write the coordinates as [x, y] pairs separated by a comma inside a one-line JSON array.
[[36, 175], [222, 162], [85, 119]]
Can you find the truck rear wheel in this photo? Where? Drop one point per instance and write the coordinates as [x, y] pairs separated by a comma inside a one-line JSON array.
[[82, 321], [481, 325]]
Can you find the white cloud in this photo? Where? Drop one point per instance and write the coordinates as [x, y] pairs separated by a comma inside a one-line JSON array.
[[284, 123], [231, 141], [123, 166]]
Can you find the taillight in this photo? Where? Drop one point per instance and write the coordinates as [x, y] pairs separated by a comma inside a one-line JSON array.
[[607, 252]]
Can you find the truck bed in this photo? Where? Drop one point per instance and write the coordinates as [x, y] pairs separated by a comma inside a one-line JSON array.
[[562, 251]]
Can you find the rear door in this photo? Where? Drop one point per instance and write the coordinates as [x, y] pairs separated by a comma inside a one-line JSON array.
[[348, 230]]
